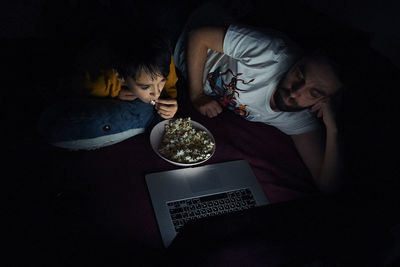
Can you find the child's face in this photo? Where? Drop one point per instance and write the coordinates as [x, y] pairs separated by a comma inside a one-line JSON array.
[[146, 87]]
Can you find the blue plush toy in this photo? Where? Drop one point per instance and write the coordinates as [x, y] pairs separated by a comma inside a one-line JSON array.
[[91, 123]]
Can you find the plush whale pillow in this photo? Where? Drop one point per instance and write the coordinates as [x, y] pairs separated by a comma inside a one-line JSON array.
[[91, 123]]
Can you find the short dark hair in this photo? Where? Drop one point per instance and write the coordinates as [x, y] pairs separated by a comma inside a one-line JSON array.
[[324, 56], [128, 53], [145, 51]]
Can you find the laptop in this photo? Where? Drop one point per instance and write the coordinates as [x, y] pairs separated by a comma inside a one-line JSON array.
[[188, 194]]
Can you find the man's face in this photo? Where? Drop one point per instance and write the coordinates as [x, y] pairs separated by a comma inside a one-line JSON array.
[[305, 84]]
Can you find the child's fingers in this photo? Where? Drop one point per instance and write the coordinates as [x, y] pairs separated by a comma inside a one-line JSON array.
[[166, 101], [166, 108], [167, 111], [166, 115]]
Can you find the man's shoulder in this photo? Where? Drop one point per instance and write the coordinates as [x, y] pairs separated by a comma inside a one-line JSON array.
[[260, 42], [250, 30]]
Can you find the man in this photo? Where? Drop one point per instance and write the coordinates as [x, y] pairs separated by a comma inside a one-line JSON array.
[[262, 76]]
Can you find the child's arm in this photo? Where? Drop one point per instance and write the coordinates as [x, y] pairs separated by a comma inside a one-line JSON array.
[[104, 85]]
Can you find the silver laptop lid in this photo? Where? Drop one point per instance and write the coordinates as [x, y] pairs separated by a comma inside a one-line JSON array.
[[181, 184]]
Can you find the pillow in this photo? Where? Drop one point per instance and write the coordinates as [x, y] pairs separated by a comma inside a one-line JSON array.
[[91, 123]]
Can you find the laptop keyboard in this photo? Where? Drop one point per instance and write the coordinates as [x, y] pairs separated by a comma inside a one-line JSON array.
[[183, 211]]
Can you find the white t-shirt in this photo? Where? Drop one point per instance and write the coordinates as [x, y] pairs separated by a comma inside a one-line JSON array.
[[245, 75]]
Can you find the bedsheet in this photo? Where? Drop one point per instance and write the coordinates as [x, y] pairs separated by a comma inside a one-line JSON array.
[[111, 180]]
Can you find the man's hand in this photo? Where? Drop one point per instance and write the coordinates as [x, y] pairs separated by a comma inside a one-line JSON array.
[[325, 110], [166, 108], [125, 94], [325, 166], [207, 106]]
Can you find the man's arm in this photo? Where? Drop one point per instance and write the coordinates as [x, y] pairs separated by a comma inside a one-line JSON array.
[[199, 41], [321, 155]]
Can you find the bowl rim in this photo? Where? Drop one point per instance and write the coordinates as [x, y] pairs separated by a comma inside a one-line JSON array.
[[159, 130]]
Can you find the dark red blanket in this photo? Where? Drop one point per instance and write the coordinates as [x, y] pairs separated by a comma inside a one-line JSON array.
[[111, 180]]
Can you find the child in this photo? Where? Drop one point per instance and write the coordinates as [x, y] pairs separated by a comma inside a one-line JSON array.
[[141, 68], [126, 84]]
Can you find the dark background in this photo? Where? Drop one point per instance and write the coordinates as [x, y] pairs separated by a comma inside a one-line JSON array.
[[23, 19], [39, 40]]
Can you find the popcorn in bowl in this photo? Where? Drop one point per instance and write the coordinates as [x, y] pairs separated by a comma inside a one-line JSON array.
[[184, 144]]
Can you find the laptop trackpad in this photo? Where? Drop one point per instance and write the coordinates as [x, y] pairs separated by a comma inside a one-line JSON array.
[[204, 181]]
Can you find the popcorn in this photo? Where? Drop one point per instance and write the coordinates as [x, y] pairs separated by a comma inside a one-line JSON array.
[[184, 144], [153, 102]]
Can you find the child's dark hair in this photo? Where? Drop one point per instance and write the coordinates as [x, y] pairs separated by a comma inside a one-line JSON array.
[[129, 53], [146, 51]]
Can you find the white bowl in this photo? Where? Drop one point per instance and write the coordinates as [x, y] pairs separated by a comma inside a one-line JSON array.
[[157, 134]]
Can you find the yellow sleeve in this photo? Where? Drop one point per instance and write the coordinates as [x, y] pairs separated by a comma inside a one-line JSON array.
[[172, 79], [105, 85]]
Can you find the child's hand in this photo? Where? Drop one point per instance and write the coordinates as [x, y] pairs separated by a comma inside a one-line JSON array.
[[166, 107]]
